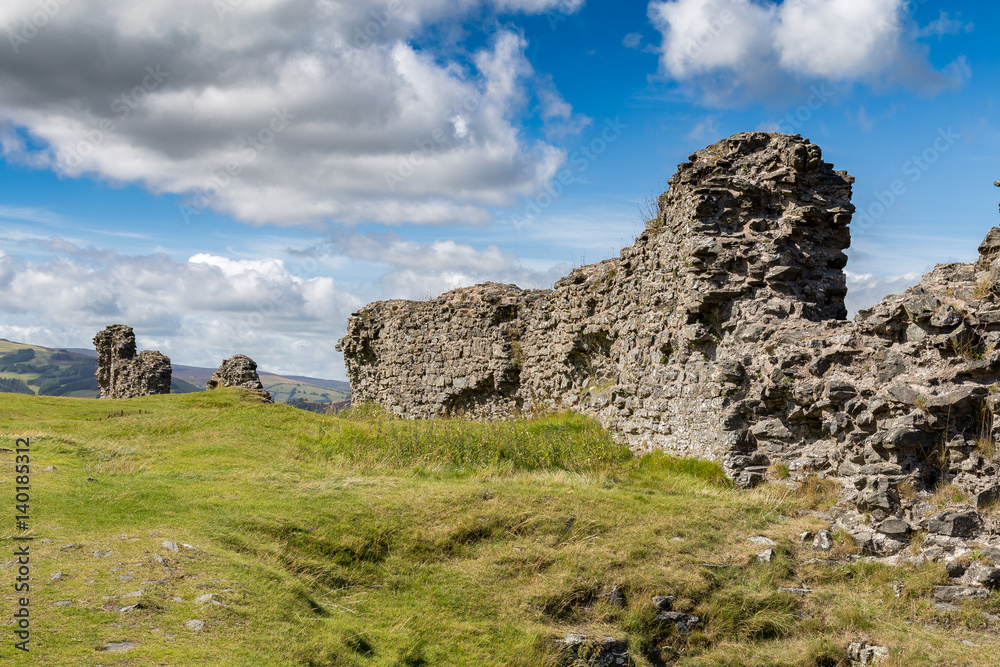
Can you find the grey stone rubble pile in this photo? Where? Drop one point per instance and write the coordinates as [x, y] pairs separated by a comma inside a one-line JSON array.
[[239, 370], [121, 373], [721, 334]]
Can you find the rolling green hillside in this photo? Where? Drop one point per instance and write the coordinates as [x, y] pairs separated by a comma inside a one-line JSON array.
[[46, 371], [208, 528]]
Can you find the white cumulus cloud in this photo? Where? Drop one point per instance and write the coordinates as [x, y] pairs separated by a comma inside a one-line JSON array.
[[739, 50], [281, 111]]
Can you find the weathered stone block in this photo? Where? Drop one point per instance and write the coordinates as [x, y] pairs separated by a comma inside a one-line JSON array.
[[955, 524]]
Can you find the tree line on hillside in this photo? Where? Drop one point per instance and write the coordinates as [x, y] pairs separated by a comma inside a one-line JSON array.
[[52, 379], [14, 386]]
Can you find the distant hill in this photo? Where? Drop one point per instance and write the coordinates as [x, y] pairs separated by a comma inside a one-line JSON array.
[[70, 372]]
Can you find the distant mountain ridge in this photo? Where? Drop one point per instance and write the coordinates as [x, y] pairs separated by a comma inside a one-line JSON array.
[[186, 379]]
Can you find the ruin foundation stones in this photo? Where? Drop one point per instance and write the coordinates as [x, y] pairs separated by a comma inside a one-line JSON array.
[[121, 373], [239, 370], [721, 334]]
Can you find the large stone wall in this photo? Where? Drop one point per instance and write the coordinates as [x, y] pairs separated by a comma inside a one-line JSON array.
[[721, 334], [752, 227]]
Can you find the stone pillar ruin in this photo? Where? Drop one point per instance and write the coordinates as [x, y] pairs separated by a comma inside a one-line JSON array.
[[121, 373]]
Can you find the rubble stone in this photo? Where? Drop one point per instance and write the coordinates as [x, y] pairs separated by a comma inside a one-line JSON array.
[[607, 652], [239, 370]]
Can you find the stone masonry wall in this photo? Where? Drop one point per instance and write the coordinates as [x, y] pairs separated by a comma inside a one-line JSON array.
[[721, 334], [753, 226]]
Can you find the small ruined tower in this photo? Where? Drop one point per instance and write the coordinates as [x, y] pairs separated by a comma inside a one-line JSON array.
[[121, 373]]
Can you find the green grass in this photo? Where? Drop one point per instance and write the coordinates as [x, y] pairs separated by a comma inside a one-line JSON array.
[[363, 540]]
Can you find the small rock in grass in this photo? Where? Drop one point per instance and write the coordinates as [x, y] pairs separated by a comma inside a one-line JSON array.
[[135, 594], [766, 556], [684, 623], [120, 646], [956, 593], [863, 654], [795, 591], [823, 541], [607, 651], [195, 624], [760, 540], [614, 595], [207, 597], [169, 546], [57, 576], [663, 602], [62, 603]]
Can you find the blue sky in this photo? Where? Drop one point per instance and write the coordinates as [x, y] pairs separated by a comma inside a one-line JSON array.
[[238, 176]]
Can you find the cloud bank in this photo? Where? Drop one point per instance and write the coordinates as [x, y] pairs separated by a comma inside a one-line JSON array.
[[281, 312], [282, 111]]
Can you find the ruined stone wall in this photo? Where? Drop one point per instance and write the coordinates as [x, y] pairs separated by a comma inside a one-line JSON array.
[[753, 226], [721, 334], [121, 373]]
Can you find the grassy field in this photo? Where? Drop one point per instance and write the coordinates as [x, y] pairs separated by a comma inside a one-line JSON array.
[[314, 540]]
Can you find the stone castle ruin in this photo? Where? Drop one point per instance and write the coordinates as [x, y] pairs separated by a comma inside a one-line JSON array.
[[121, 373], [721, 334]]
